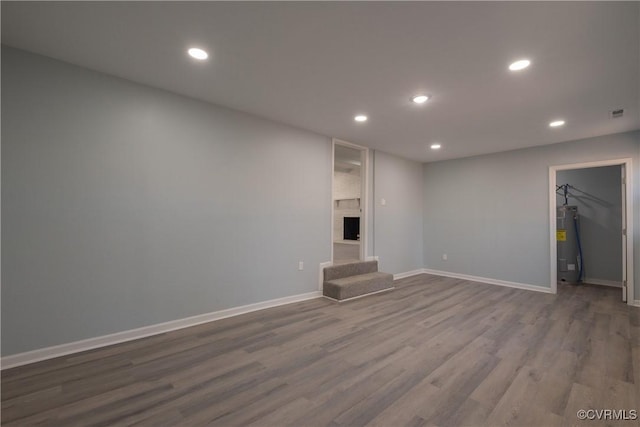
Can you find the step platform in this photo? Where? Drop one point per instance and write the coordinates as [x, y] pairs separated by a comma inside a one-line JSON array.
[[353, 280]]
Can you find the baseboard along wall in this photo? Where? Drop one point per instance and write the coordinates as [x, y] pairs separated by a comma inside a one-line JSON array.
[[38, 355], [408, 274], [489, 281], [602, 282]]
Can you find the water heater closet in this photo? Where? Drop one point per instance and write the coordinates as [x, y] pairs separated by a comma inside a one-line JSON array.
[[570, 260]]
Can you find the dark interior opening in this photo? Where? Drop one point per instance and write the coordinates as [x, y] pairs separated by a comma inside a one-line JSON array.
[[351, 228]]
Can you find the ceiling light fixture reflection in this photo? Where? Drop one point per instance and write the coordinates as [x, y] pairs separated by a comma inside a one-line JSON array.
[[520, 64], [420, 99], [198, 54]]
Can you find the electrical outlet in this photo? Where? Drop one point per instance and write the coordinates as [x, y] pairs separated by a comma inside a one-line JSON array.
[[444, 257], [300, 266]]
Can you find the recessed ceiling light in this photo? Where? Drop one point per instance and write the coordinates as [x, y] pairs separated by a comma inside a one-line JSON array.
[[420, 99], [556, 123], [520, 64], [199, 54], [360, 118], [435, 146]]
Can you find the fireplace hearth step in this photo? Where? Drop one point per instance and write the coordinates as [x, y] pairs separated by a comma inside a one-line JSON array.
[[356, 279]]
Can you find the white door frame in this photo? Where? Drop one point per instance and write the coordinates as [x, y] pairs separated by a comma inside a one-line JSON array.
[[627, 162], [364, 193]]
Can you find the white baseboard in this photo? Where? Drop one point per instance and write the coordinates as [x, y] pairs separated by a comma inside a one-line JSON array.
[[321, 274], [359, 296], [489, 281], [635, 303], [119, 337], [408, 274], [603, 282]]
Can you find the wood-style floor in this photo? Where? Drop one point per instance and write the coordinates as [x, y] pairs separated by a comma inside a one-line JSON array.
[[435, 351]]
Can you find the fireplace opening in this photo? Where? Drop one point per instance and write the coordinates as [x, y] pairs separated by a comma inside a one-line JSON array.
[[351, 228]]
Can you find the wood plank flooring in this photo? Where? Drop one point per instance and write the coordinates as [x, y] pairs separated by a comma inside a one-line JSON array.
[[434, 352]]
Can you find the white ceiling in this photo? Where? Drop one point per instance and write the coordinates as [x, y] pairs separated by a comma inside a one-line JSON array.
[[315, 65]]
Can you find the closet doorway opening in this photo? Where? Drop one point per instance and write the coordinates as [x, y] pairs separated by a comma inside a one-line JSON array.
[[591, 228], [349, 202]]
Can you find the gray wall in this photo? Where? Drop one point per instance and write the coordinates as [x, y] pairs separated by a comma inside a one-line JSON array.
[[125, 206], [398, 224], [598, 196], [491, 213]]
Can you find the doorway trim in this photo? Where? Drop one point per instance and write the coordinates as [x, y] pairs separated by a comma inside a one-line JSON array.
[[553, 249], [364, 193]]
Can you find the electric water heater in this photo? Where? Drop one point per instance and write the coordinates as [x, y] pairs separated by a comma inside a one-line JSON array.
[[567, 237]]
